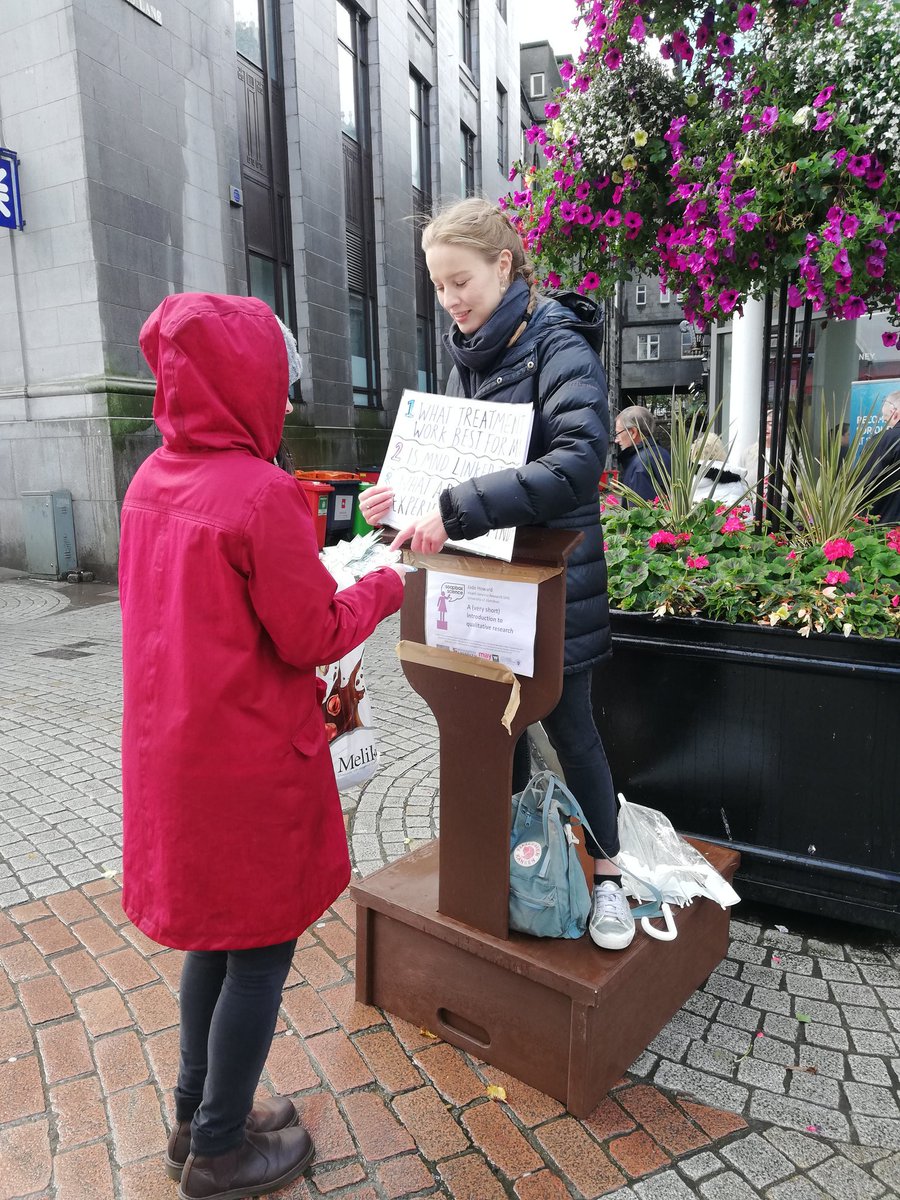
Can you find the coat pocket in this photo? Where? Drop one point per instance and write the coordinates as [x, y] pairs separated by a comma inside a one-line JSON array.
[[309, 736]]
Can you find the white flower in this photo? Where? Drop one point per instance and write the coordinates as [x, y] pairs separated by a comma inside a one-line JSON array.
[[801, 116]]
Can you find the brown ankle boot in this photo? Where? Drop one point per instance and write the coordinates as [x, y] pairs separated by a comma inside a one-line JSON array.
[[266, 1116], [263, 1163]]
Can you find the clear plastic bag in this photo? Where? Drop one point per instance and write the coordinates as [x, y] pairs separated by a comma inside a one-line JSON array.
[[651, 850]]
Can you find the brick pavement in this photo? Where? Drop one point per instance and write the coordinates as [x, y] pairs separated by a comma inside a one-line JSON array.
[[778, 1079]]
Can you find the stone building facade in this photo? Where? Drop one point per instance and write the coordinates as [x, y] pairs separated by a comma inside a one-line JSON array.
[[279, 147]]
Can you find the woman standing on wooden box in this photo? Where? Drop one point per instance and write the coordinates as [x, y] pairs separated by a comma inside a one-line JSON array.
[[513, 345]]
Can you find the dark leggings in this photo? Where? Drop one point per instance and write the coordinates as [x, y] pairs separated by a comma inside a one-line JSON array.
[[229, 1006], [573, 735]]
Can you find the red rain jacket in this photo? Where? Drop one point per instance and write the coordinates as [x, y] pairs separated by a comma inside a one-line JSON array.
[[233, 834]]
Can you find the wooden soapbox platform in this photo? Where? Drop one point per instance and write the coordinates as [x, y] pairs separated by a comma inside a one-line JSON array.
[[433, 939]]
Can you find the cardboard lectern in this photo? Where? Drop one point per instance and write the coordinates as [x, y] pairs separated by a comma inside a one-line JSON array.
[[433, 939]]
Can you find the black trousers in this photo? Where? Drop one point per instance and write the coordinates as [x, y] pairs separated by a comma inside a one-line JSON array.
[[229, 1006], [573, 735]]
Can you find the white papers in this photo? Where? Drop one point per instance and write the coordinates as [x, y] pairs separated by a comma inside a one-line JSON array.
[[438, 441], [492, 619]]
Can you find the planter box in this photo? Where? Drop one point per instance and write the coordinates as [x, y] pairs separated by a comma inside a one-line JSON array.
[[784, 748]]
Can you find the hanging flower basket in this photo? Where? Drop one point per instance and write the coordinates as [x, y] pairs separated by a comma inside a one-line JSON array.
[[760, 142]]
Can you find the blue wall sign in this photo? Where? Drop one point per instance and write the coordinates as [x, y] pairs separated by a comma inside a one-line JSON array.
[[10, 200], [866, 399]]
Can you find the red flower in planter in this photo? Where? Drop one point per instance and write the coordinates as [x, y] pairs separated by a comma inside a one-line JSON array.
[[838, 548]]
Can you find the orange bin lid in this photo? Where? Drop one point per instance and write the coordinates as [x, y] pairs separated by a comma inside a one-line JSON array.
[[325, 476]]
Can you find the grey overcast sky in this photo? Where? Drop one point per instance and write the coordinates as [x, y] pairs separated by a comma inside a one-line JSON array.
[[549, 20]]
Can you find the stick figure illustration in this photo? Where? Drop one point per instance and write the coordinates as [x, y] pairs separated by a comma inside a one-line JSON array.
[[442, 611]]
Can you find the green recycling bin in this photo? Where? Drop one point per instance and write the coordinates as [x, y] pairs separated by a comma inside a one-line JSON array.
[[360, 524]]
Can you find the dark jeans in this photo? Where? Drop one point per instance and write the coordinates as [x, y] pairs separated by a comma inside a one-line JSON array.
[[229, 1005], [573, 735]]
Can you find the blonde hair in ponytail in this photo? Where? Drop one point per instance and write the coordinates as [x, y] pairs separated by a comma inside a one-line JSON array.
[[482, 227]]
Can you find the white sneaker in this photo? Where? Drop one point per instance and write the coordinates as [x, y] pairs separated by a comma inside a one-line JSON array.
[[611, 924]]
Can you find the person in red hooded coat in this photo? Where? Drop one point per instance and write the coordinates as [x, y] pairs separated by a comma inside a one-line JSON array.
[[234, 841]]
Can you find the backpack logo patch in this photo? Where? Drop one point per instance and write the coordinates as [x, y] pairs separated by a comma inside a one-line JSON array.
[[527, 854]]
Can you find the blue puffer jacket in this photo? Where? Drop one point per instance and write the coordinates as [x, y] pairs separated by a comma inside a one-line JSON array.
[[558, 485]]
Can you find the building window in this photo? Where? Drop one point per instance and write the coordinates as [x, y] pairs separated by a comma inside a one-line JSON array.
[[647, 346], [264, 156], [426, 355], [665, 296], [538, 86], [501, 8], [640, 294], [359, 205], [687, 344], [466, 34], [502, 146], [466, 162], [418, 134]]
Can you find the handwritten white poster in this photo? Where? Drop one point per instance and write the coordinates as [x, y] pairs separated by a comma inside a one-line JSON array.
[[493, 619], [438, 441]]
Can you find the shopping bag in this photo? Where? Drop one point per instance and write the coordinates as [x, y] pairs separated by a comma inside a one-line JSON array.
[[346, 707], [348, 720]]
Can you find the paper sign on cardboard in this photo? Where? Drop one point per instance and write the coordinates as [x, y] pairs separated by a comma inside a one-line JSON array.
[[438, 441]]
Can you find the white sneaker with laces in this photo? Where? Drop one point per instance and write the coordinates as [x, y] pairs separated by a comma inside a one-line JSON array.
[[611, 924]]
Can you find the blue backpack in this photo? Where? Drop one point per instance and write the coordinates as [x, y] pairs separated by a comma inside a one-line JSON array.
[[548, 893]]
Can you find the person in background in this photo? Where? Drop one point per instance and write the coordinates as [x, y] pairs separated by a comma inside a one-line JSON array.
[[717, 481], [233, 837], [511, 345], [843, 432], [644, 465], [884, 465]]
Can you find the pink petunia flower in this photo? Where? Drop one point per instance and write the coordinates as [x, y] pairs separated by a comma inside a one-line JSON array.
[[638, 30], [746, 18], [613, 59], [824, 96]]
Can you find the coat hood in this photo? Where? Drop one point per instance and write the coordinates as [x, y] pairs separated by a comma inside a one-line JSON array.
[[221, 373], [570, 310]]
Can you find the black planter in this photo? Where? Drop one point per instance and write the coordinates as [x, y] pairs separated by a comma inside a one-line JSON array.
[[787, 749]]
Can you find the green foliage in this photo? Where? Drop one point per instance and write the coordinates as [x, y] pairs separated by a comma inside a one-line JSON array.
[[712, 563]]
